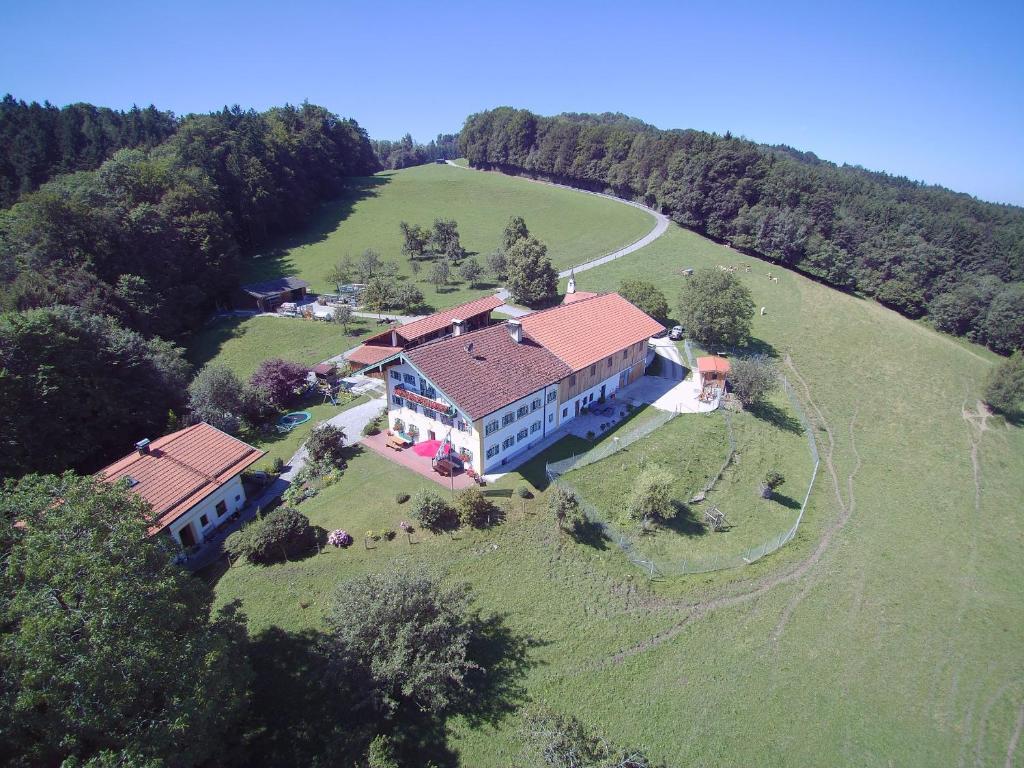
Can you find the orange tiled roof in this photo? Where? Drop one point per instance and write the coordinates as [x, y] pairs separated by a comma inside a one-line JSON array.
[[368, 354], [181, 469], [577, 296], [485, 370], [712, 364], [589, 329], [425, 326]]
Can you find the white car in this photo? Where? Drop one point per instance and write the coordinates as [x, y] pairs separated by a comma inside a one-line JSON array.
[[676, 333]]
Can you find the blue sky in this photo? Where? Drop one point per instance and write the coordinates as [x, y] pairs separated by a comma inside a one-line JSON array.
[[929, 90]]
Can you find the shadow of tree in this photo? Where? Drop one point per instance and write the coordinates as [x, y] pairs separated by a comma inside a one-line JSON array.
[[687, 521], [787, 501], [777, 417], [274, 261], [590, 534]]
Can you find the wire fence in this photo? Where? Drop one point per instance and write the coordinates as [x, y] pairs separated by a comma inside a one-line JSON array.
[[652, 419], [657, 567]]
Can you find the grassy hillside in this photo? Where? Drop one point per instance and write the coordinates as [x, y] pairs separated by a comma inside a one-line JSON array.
[[575, 227], [242, 343], [886, 633]]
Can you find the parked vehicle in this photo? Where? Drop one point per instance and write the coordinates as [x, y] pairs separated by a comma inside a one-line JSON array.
[[676, 333]]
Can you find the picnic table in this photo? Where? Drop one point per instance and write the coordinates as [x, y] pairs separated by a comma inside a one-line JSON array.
[[398, 442]]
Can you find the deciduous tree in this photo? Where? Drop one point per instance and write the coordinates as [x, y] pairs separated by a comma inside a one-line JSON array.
[[217, 396], [108, 649], [651, 497], [407, 638], [647, 297], [280, 380], [716, 308], [1004, 388], [752, 378], [470, 271], [531, 278]]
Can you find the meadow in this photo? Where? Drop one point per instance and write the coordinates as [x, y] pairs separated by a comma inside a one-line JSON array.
[[887, 633], [574, 227], [242, 343]]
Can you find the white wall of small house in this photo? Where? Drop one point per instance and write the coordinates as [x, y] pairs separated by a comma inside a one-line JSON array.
[[232, 493], [464, 438], [507, 438]]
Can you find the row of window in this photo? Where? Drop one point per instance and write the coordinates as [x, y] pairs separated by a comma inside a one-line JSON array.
[[511, 440], [448, 421], [222, 509], [524, 410]]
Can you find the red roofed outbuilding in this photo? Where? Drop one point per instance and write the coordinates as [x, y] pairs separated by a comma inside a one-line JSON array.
[[191, 478], [713, 370]]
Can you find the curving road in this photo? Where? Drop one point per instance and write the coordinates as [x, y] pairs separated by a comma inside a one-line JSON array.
[[661, 222]]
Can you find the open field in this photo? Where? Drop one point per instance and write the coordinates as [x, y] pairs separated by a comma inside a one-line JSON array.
[[242, 343], [887, 633], [692, 448], [575, 227]]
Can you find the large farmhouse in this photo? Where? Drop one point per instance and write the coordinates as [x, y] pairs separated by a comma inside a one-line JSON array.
[[191, 478], [494, 392]]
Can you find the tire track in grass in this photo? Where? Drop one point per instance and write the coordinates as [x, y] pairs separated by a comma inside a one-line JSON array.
[[699, 610], [1011, 748], [847, 509]]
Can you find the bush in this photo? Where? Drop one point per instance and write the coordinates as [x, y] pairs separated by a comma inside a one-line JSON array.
[[326, 447], [339, 538], [431, 511], [752, 379], [277, 467], [524, 492], [772, 480], [388, 533], [279, 380], [1004, 388], [474, 509], [281, 534], [651, 498], [401, 498]]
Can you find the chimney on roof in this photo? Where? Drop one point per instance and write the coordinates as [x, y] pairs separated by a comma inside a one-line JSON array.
[[142, 446], [458, 327], [571, 287], [394, 337], [515, 330]]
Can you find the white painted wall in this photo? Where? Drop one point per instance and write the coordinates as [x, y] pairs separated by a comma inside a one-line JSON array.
[[493, 463], [231, 493], [461, 438]]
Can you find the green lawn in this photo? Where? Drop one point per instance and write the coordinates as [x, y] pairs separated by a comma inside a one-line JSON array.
[[693, 448], [887, 633], [283, 445], [575, 227], [242, 343]]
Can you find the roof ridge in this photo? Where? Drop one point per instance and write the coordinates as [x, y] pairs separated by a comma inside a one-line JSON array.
[[562, 306]]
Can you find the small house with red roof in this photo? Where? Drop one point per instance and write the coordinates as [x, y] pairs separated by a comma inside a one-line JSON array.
[[191, 479], [713, 371], [492, 393]]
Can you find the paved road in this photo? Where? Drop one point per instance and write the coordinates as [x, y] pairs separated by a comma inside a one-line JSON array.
[[661, 222], [671, 361]]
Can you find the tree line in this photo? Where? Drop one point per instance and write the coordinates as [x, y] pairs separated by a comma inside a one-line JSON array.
[[406, 152], [919, 249], [40, 141], [153, 236]]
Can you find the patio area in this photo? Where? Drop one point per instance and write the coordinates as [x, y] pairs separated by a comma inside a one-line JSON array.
[[421, 465]]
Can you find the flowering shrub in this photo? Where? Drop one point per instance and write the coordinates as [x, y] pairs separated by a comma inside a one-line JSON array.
[[339, 538], [406, 527]]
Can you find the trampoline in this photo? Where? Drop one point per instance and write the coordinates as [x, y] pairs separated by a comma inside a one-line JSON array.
[[293, 419]]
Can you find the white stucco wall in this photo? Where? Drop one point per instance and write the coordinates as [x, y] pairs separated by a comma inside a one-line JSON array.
[[461, 438], [497, 438], [231, 493]]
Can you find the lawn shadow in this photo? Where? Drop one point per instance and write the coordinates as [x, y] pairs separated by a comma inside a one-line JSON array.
[[590, 534], [686, 521], [786, 501], [273, 261], [777, 417], [215, 336], [296, 715]]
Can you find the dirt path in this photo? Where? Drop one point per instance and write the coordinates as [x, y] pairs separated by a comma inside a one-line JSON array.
[[1011, 748], [766, 584]]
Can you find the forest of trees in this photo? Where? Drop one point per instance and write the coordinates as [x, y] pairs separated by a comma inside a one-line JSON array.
[[405, 152], [153, 236], [40, 141], [98, 268], [921, 250]]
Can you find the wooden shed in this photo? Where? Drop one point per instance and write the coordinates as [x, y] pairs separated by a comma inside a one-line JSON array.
[[713, 371]]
